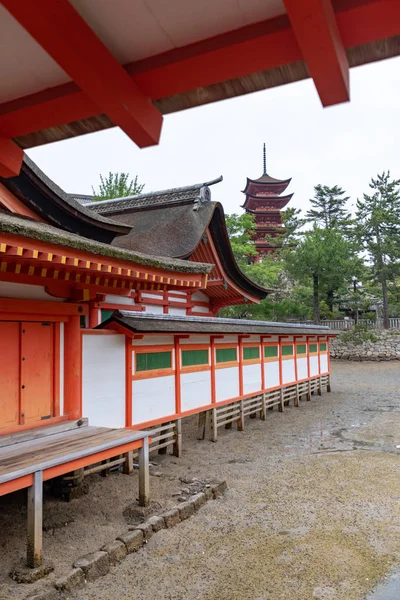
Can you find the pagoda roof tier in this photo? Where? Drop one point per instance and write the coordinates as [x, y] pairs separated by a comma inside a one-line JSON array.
[[279, 202]]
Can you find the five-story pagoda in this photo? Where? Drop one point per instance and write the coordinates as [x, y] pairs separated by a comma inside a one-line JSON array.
[[264, 201]]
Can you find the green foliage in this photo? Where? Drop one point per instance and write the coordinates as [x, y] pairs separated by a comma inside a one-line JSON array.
[[117, 185], [358, 335], [328, 207], [377, 230], [241, 228]]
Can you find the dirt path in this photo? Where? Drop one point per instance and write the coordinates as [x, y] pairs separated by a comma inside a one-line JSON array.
[[312, 509]]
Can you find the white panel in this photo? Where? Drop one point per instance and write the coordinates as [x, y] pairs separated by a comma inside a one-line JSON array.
[[324, 363], [153, 398], [227, 383], [288, 372], [201, 309], [251, 378], [252, 339], [302, 368], [103, 380], [114, 299], [195, 390], [173, 310], [313, 365], [227, 339], [61, 368], [183, 299], [200, 297], [154, 340], [26, 291], [196, 339], [271, 372], [155, 309]]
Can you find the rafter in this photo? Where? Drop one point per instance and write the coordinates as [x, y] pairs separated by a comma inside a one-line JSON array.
[[67, 38], [316, 30]]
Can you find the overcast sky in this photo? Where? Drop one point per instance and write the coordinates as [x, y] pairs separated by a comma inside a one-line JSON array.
[[344, 144]]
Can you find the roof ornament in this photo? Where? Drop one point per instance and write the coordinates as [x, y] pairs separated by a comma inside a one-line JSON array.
[[264, 161], [203, 198]]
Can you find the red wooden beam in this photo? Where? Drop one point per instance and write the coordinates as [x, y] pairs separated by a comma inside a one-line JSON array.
[[262, 46], [315, 27], [67, 38], [10, 158]]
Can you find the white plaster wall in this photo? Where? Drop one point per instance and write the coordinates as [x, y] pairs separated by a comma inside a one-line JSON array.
[[302, 368], [201, 309], [61, 368], [227, 383], [154, 340], [153, 398], [114, 299], [200, 297], [251, 340], [155, 309], [288, 371], [251, 378], [182, 300], [175, 310], [195, 339], [227, 339], [271, 374], [195, 390], [25, 291], [313, 365], [103, 380], [324, 363]]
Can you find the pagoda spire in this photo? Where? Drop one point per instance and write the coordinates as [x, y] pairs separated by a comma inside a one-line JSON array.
[[264, 161]]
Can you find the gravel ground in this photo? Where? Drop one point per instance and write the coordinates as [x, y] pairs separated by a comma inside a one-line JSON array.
[[312, 509]]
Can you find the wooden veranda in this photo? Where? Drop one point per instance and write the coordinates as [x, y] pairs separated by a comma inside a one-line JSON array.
[[28, 459]]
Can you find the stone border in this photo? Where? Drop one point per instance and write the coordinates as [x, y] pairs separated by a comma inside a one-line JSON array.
[[97, 564]]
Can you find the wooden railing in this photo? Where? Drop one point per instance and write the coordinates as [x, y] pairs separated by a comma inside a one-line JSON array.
[[345, 324]]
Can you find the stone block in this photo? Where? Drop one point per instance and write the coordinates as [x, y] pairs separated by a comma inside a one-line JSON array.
[[46, 594], [24, 574], [93, 565], [74, 579], [157, 523], [198, 500], [171, 517], [146, 528], [116, 551], [133, 540], [186, 510]]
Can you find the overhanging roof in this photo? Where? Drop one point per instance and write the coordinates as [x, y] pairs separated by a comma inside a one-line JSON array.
[[173, 223], [176, 56], [148, 323]]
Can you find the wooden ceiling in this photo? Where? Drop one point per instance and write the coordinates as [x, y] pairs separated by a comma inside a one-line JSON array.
[[74, 67]]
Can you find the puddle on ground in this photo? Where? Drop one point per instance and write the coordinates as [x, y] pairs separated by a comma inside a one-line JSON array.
[[388, 589]]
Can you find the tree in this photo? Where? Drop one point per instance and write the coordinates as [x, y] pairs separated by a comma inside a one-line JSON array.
[[329, 207], [378, 231], [241, 229], [325, 257], [117, 185]]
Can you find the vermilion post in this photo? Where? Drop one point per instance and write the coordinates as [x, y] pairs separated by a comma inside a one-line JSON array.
[[72, 368]]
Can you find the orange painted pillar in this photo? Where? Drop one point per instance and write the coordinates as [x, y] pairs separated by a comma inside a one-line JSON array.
[[93, 316], [72, 368]]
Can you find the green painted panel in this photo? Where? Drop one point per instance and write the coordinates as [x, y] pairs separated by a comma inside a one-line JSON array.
[[301, 349], [322, 347], [313, 348], [287, 350], [226, 355], [250, 353], [150, 361], [82, 322], [191, 358], [270, 351], [106, 314]]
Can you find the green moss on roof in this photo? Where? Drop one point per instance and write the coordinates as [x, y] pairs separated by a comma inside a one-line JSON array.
[[23, 226]]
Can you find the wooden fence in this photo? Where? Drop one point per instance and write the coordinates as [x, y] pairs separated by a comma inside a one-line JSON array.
[[345, 324]]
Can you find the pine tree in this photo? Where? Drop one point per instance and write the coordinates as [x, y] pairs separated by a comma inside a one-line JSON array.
[[378, 231], [329, 207], [117, 185]]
